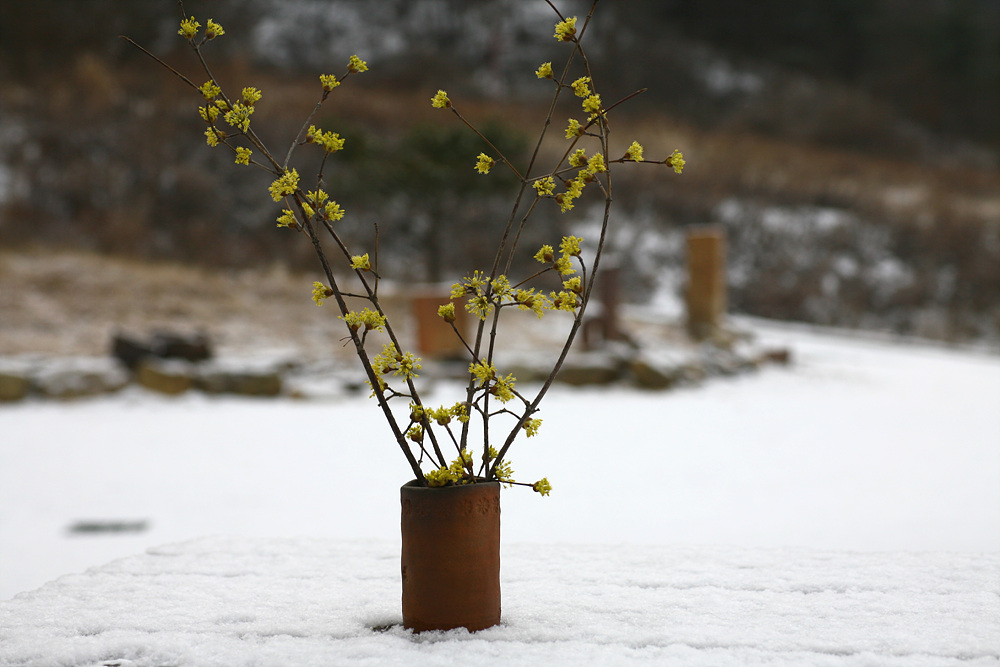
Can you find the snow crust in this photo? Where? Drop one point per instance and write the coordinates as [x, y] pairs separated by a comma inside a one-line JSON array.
[[240, 601]]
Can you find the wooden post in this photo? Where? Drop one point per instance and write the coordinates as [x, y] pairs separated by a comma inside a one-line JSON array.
[[435, 337], [706, 288]]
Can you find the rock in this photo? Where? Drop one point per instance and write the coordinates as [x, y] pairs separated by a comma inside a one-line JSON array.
[[589, 371], [647, 376], [190, 347], [244, 383], [129, 351], [77, 378], [166, 377], [13, 387]]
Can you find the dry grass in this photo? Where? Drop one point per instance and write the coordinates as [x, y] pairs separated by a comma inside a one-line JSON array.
[[71, 303]]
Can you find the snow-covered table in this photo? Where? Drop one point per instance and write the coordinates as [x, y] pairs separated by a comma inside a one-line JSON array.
[[240, 601]]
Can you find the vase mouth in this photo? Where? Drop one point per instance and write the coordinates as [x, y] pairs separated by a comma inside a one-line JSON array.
[[479, 482]]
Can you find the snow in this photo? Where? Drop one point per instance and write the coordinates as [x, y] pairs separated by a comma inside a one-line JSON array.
[[844, 510]]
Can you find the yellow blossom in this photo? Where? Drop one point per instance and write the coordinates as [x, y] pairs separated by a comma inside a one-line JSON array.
[[574, 285], [581, 87], [210, 90], [578, 158], [333, 211], [596, 165], [634, 152], [447, 312], [251, 96], [321, 292], [239, 116], [574, 129], [564, 265], [545, 71], [545, 254], [531, 426], [565, 30], [189, 28], [361, 262], [213, 135], [542, 486], [544, 186], [367, 318], [480, 306], [243, 155], [416, 433], [484, 163], [330, 141], [329, 81], [564, 301], [500, 286], [209, 113], [529, 300], [440, 100], [213, 30], [676, 160], [592, 105], [287, 219], [570, 245], [439, 477], [356, 65], [483, 372], [503, 388], [285, 185]]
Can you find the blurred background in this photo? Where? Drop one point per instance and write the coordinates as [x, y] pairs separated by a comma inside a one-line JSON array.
[[848, 149]]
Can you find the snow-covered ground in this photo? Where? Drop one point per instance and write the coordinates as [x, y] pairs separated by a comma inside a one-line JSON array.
[[860, 446]]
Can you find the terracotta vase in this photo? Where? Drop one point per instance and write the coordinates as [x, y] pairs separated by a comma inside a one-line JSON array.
[[451, 556]]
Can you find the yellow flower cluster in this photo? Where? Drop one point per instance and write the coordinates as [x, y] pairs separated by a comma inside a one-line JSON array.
[[542, 486], [320, 293], [453, 474], [676, 160], [440, 100], [447, 312], [331, 142], [574, 129], [483, 293], [367, 318], [329, 81], [210, 90], [320, 201], [566, 30], [239, 116], [390, 359], [212, 30], [581, 87], [287, 219], [484, 163], [285, 185], [356, 65], [544, 71], [568, 298], [544, 186], [361, 262], [243, 155], [189, 29], [505, 472], [531, 427], [634, 152], [530, 300]]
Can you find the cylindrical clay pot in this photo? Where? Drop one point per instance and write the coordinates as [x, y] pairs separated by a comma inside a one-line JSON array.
[[451, 556]]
